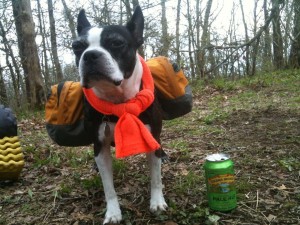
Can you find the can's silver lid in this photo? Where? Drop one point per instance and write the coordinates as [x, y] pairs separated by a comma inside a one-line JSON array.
[[217, 157]]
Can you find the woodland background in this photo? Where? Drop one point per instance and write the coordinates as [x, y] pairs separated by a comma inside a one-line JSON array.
[[242, 58], [36, 36]]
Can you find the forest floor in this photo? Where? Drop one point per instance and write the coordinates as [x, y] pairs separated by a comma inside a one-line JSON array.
[[254, 120]]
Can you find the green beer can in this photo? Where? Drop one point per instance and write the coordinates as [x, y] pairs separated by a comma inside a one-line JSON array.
[[220, 182]]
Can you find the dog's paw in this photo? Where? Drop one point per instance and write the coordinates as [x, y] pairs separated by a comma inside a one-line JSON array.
[[113, 213], [112, 217], [158, 204]]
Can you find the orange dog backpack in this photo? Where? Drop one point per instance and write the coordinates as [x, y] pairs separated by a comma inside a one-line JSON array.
[[172, 89], [64, 115], [64, 107]]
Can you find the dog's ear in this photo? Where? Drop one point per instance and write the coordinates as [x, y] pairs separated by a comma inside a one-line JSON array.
[[82, 21], [136, 26]]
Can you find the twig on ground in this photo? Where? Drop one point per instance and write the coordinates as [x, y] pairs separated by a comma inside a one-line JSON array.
[[256, 206]]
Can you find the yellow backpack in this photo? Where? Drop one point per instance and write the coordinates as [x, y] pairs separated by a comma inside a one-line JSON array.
[[64, 107]]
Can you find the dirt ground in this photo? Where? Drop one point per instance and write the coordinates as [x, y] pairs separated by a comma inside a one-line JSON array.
[[60, 185]]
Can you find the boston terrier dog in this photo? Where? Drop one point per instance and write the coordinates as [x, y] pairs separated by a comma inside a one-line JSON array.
[[109, 65]]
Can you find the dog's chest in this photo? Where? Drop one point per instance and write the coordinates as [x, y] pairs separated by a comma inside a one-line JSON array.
[[106, 132], [119, 94], [115, 95]]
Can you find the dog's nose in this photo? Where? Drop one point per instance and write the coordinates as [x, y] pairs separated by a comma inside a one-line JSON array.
[[117, 82], [92, 56]]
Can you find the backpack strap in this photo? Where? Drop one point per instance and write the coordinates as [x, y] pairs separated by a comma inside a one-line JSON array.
[[59, 89]]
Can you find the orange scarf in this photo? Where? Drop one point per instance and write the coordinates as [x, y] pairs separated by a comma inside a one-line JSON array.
[[131, 135]]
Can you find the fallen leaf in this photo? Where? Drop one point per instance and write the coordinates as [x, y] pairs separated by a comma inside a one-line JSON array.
[[170, 223], [282, 187], [271, 217]]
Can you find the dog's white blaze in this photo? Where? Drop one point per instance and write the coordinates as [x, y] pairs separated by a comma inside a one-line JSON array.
[[94, 36], [122, 93]]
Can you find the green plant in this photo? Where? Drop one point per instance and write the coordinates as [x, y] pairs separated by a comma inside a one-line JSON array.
[[91, 183], [197, 85], [26, 208], [178, 144], [223, 84], [290, 163], [214, 116], [78, 158], [65, 189], [189, 183], [119, 166]]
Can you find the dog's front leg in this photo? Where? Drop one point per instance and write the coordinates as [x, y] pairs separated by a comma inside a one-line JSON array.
[[104, 163], [157, 202]]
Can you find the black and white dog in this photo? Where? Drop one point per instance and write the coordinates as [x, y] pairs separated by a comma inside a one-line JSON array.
[[109, 64]]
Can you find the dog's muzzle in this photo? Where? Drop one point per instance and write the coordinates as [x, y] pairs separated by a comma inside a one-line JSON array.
[[96, 66]]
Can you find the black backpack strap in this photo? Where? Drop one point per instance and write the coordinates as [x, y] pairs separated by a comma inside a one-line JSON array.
[[59, 89]]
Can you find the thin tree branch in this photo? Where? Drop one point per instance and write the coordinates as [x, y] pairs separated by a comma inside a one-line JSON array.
[[246, 43]]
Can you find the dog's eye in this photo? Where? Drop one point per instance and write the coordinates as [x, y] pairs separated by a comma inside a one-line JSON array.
[[117, 44], [78, 46]]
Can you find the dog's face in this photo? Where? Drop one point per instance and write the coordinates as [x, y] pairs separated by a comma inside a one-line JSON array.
[[109, 52]]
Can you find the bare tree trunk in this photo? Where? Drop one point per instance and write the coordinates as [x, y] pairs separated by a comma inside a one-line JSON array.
[[135, 3], [246, 38], [178, 58], [191, 59], [232, 39], [288, 30], [267, 55], [165, 39], [205, 38], [128, 9], [9, 53], [197, 42], [121, 13], [70, 18], [256, 44], [45, 68], [14, 81], [3, 94], [294, 58], [28, 53], [198, 23], [58, 70], [212, 62], [277, 37], [106, 13]]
